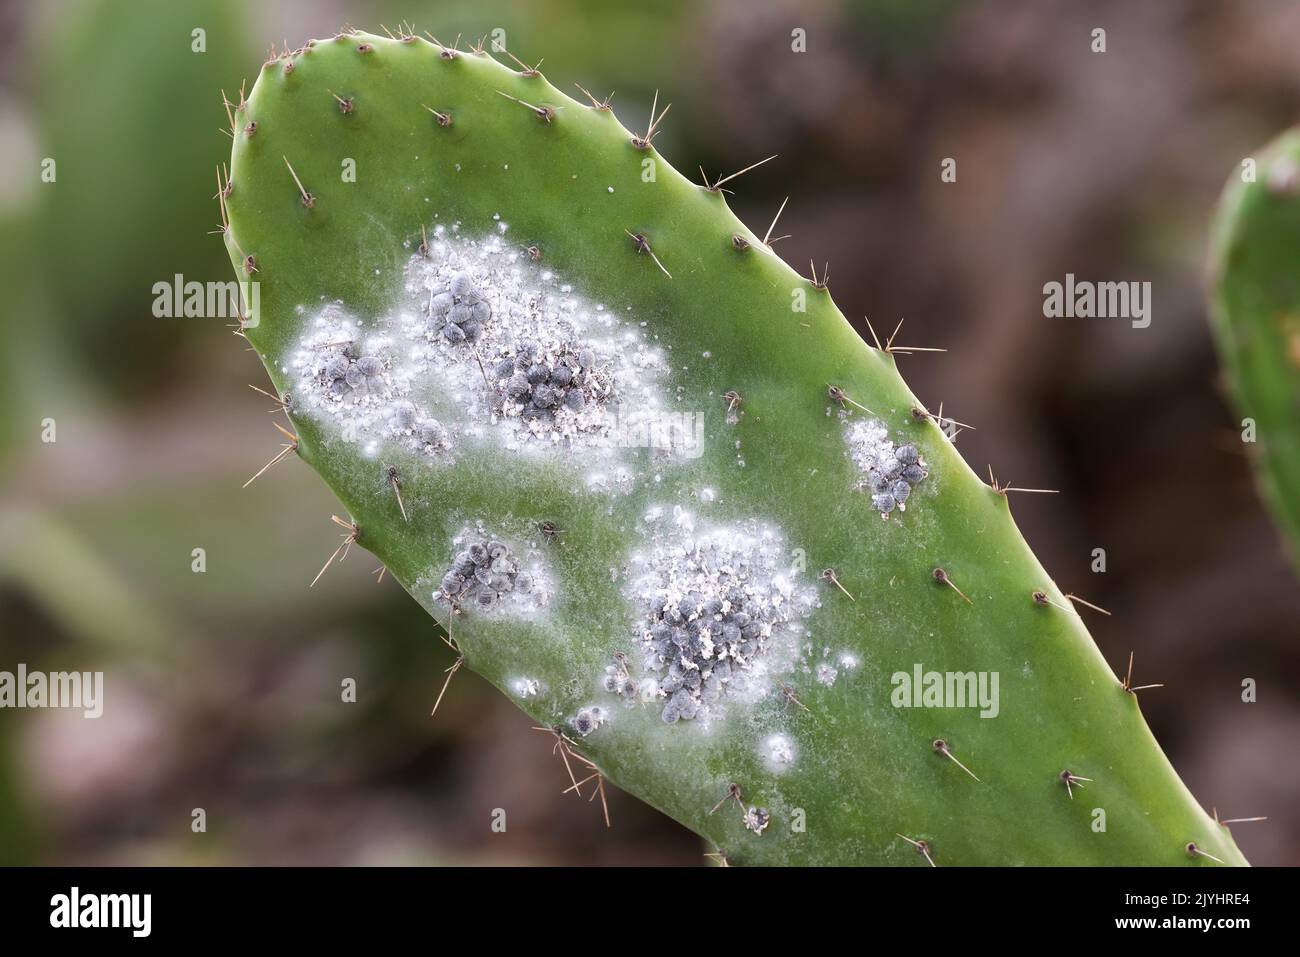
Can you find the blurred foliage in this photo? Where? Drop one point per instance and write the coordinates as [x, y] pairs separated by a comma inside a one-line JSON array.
[[128, 111], [1256, 314], [18, 838]]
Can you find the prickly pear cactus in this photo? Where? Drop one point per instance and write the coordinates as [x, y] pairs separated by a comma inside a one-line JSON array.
[[1256, 314], [657, 489]]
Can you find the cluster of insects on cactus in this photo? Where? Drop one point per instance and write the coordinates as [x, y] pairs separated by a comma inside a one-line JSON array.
[[713, 603], [889, 472]]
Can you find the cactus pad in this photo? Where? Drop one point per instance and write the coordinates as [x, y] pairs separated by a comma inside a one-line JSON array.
[[656, 487]]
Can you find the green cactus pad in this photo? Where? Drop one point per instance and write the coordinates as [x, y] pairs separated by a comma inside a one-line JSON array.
[[663, 532], [1256, 319]]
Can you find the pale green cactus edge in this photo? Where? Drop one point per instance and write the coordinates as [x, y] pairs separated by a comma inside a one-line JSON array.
[[1255, 299], [351, 152]]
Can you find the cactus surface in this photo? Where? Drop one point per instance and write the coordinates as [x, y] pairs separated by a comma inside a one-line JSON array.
[[658, 490], [1256, 320]]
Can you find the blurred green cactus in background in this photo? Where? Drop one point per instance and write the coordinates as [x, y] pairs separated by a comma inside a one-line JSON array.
[[1256, 319]]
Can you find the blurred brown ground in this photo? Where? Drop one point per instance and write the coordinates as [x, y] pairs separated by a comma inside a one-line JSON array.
[[225, 684]]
